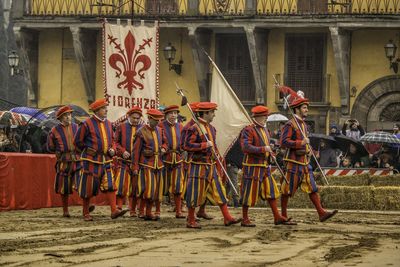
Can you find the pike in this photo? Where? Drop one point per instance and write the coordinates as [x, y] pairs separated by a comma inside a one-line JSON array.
[[277, 85], [184, 102]]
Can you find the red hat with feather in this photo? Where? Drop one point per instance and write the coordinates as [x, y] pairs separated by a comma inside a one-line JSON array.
[[294, 99]]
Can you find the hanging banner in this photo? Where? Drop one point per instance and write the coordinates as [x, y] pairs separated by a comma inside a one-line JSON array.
[[130, 65]]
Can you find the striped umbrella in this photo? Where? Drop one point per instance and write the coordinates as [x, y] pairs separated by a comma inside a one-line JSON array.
[[30, 112], [12, 119], [380, 138]]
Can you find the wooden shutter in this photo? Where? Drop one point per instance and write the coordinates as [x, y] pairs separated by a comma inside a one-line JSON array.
[[305, 64], [233, 59], [161, 6], [312, 6]]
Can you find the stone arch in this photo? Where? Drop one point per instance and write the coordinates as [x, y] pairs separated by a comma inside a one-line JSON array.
[[375, 100]]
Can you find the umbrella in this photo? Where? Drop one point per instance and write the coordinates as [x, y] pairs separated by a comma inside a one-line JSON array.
[[343, 143], [12, 119], [315, 140], [77, 111], [380, 138], [31, 112], [48, 124], [277, 117]]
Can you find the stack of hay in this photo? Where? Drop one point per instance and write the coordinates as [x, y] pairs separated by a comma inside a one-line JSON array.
[[362, 192]]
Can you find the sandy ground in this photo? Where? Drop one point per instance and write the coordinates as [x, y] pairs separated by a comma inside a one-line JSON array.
[[352, 238]]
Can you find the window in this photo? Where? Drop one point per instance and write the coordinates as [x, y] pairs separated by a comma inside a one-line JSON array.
[[305, 64], [233, 59], [161, 7], [312, 6]]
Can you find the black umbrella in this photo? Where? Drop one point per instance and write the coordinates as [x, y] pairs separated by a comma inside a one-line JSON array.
[[315, 140], [77, 111], [344, 142]]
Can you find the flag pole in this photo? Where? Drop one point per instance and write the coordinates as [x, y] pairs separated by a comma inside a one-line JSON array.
[[227, 84], [242, 108], [302, 132], [216, 155]]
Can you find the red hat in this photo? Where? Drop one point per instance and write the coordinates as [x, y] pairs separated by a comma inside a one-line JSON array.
[[171, 108], [137, 110], [155, 114], [298, 102], [206, 106], [99, 103], [259, 111], [194, 105], [63, 110]]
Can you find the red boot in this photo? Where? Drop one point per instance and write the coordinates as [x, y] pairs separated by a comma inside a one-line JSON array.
[[323, 214], [86, 214], [132, 206], [142, 205], [278, 219], [228, 219], [178, 205], [64, 199], [202, 213], [115, 213], [157, 214], [284, 204], [246, 221], [120, 202], [191, 222], [149, 215]]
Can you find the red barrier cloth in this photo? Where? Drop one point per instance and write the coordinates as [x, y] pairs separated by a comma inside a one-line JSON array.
[[27, 182]]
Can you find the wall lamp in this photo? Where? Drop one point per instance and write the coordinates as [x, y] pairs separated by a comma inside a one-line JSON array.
[[13, 63], [390, 51], [169, 54], [353, 91]]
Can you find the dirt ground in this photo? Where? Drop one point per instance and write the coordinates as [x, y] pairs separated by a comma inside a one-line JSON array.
[[352, 238]]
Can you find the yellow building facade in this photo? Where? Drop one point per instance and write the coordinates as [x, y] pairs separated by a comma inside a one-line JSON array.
[[343, 50]]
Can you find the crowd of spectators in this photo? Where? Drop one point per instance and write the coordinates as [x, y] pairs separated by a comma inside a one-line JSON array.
[[13, 139], [379, 156]]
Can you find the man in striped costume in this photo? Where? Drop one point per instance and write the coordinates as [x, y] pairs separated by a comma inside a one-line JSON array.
[[95, 139], [148, 147], [257, 180], [203, 174], [202, 210], [61, 142], [299, 171], [124, 136], [173, 170]]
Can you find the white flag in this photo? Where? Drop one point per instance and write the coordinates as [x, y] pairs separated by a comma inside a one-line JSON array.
[[231, 117], [130, 59]]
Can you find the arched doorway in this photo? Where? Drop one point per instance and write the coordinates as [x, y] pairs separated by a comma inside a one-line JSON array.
[[378, 105]]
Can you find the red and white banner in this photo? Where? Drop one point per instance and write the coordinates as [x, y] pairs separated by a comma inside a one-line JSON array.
[[370, 171], [345, 172], [130, 62]]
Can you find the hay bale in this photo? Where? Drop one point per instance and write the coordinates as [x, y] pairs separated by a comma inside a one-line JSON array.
[[387, 198], [300, 200], [385, 180], [347, 197], [350, 180]]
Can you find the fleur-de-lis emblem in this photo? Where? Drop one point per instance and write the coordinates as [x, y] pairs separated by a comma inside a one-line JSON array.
[[133, 62]]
